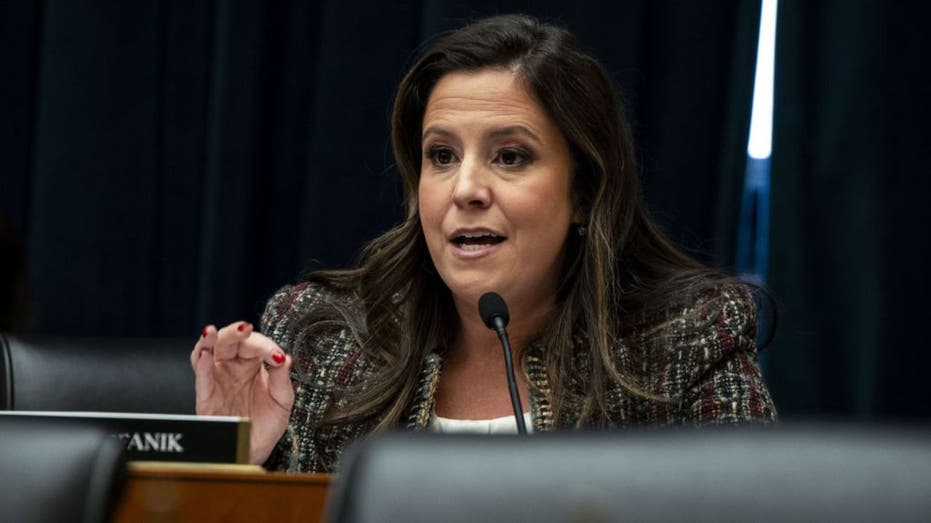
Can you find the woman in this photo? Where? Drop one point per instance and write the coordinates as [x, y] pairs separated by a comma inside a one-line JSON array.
[[519, 177]]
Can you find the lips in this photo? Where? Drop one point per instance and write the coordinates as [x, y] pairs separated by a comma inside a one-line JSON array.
[[474, 240]]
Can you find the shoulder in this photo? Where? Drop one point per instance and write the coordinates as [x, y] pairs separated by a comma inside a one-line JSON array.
[[724, 319], [293, 303], [707, 327], [703, 356], [322, 328]]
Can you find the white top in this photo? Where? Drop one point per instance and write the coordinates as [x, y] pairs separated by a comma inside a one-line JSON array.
[[502, 425]]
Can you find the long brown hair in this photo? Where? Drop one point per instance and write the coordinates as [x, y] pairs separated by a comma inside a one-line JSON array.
[[620, 275]]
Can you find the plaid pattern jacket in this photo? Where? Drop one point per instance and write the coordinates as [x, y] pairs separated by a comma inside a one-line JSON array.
[[703, 359]]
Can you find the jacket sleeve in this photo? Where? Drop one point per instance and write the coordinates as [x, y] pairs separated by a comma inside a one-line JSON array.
[[729, 388], [295, 451]]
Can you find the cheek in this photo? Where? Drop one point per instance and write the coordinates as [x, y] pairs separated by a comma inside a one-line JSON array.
[[430, 210], [543, 212], [423, 205], [546, 221]]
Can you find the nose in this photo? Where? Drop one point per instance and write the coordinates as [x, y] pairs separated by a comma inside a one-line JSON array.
[[472, 185]]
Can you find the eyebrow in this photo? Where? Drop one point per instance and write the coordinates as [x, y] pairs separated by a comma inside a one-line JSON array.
[[435, 130], [502, 132], [515, 129]]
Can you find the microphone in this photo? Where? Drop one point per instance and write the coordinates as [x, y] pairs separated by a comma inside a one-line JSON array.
[[494, 313]]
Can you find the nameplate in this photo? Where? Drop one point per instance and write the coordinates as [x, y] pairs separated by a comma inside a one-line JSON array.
[[164, 437]]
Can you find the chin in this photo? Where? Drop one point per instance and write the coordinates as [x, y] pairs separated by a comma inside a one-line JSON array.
[[468, 291], [471, 288]]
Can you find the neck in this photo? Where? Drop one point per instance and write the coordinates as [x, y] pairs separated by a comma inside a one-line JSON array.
[[475, 341]]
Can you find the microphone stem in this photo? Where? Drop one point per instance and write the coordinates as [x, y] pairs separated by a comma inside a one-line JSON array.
[[512, 383]]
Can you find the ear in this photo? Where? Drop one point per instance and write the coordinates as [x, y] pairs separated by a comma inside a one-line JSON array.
[[580, 205], [578, 216], [579, 211]]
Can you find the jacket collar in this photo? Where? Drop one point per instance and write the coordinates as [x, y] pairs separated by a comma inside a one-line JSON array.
[[421, 408]]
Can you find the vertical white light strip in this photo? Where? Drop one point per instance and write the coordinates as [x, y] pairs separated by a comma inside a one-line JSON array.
[[752, 261], [760, 144]]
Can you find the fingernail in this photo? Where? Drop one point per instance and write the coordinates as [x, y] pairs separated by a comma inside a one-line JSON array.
[[278, 357], [203, 333], [242, 326]]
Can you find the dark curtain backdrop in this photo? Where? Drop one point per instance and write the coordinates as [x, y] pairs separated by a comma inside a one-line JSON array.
[[850, 189], [170, 163], [165, 165]]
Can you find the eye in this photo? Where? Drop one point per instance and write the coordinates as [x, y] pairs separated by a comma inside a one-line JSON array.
[[441, 156], [513, 157]]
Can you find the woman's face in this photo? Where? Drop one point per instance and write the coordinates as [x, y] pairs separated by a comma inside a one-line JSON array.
[[494, 190]]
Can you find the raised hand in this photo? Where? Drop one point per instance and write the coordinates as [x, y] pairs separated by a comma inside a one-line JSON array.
[[231, 379]]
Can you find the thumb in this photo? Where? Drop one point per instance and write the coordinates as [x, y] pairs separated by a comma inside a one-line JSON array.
[[203, 375], [279, 383]]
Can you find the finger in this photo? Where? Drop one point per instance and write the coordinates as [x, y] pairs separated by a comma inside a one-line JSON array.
[[257, 345], [203, 345], [229, 339], [279, 383], [203, 378]]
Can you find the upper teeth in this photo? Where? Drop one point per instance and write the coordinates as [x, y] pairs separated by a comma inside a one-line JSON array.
[[477, 234]]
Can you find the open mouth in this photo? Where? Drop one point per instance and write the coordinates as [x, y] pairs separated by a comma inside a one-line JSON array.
[[477, 241]]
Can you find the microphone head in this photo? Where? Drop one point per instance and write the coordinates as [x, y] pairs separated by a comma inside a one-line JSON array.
[[490, 306]]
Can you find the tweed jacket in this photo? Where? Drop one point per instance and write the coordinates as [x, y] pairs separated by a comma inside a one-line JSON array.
[[701, 358]]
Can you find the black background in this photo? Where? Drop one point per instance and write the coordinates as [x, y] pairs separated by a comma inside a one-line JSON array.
[[165, 165]]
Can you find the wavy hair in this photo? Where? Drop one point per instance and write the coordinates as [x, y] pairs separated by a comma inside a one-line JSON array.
[[621, 275]]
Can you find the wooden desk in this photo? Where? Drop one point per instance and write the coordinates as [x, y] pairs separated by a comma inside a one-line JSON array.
[[160, 492]]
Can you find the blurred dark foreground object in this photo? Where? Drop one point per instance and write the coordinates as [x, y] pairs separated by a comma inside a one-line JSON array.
[[96, 374], [782, 473], [52, 472]]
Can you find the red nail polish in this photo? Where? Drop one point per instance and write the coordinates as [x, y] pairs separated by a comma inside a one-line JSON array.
[[242, 326], [203, 333], [278, 357]]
